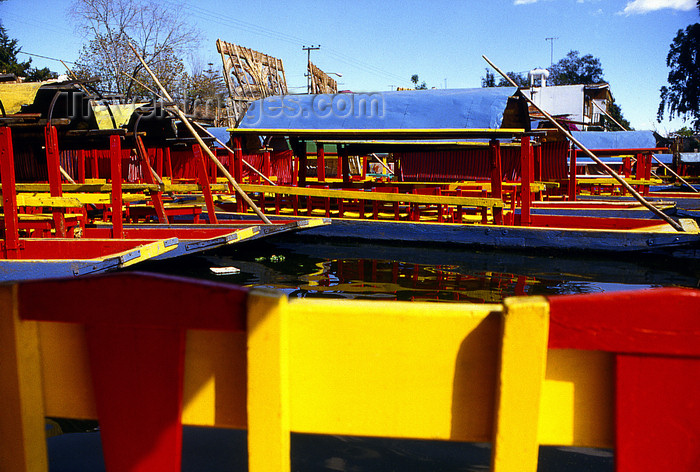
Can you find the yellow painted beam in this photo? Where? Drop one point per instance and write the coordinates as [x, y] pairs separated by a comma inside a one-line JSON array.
[[523, 356], [72, 200], [372, 196], [608, 181], [87, 187], [268, 383], [23, 440], [393, 369]]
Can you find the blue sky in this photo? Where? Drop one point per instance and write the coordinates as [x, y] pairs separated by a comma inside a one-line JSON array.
[[378, 45]]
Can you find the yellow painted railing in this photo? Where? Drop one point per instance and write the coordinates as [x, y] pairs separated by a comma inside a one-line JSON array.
[[397, 369]]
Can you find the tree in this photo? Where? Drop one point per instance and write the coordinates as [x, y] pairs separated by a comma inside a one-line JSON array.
[[205, 90], [9, 63], [490, 80], [574, 70], [682, 97], [8, 56], [160, 33], [422, 86], [615, 111]]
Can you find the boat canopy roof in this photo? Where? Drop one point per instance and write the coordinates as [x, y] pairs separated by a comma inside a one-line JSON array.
[[398, 112], [622, 140]]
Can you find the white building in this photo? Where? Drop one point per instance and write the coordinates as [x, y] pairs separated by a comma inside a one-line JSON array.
[[574, 103]]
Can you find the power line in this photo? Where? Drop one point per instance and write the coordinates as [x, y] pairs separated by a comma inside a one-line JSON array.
[[551, 54], [227, 20]]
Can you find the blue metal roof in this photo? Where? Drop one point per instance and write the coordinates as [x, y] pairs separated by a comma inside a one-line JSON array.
[[480, 108], [616, 139]]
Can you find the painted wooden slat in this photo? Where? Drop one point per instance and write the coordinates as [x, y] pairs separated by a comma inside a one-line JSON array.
[[9, 196], [653, 337], [523, 358], [53, 166], [640, 323], [657, 413], [182, 308], [115, 158], [268, 383], [23, 445]]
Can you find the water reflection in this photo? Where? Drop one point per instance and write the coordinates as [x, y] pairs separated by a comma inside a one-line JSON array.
[[303, 268]]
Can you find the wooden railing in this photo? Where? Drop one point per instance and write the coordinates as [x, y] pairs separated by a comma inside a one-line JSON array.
[[147, 354]]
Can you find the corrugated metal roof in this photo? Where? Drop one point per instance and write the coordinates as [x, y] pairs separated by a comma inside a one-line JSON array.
[[616, 139], [481, 108]]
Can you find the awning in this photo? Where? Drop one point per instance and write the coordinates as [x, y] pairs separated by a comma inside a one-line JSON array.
[[481, 108], [627, 140]]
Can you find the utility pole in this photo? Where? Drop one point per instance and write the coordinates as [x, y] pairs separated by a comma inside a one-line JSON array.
[[308, 50], [551, 53]]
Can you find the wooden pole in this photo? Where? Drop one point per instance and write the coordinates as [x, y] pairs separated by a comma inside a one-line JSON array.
[[653, 156], [595, 158], [250, 166], [201, 142], [382, 163]]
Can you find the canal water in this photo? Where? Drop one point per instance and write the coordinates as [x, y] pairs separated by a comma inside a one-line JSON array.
[[304, 267]]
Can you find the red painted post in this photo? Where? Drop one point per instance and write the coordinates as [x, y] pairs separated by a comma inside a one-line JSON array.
[[156, 197], [496, 178], [339, 162], [53, 164], [94, 166], [204, 182], [320, 162], [159, 161], [237, 170], [136, 350], [647, 172], [525, 180], [300, 151], [81, 166], [640, 171], [572, 175], [9, 194], [267, 165], [653, 337], [343, 157], [115, 157], [537, 175], [626, 170], [168, 163]]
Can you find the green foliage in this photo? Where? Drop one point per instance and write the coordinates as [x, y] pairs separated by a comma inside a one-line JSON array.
[[490, 80], [161, 33], [615, 111], [682, 97], [422, 86], [39, 75], [205, 92], [685, 131], [9, 64], [574, 70]]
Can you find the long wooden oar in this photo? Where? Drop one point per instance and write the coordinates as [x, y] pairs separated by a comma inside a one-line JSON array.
[[250, 166], [382, 163], [201, 142], [595, 158], [653, 156]]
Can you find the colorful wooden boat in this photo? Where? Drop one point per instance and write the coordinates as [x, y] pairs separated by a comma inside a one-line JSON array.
[[44, 258], [552, 233], [196, 238], [572, 370]]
